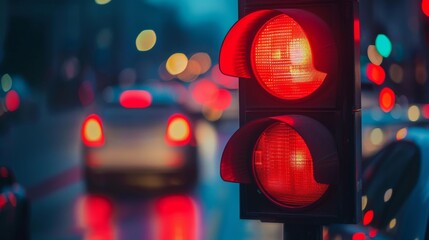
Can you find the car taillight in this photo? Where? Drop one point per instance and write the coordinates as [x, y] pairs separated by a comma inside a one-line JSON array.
[[283, 167], [282, 60], [135, 99], [92, 131], [178, 130]]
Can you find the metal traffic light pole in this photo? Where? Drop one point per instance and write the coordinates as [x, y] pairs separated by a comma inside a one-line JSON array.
[[302, 232]]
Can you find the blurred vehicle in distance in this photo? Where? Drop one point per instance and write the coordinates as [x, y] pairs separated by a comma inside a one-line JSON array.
[[138, 140], [14, 207]]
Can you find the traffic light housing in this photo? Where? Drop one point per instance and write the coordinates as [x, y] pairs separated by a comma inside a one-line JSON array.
[[297, 152]]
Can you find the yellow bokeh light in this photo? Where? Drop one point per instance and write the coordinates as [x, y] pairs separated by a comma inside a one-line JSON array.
[[93, 130], [374, 56], [178, 130], [413, 113], [376, 136], [176, 63], [364, 202], [212, 114], [102, 2], [146, 40], [401, 134], [392, 223]]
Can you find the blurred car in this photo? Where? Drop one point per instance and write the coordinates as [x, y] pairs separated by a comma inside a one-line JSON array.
[[14, 205], [139, 140]]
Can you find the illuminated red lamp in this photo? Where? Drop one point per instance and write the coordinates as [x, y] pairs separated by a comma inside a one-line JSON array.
[[12, 101], [387, 99], [375, 73], [92, 131], [135, 99], [285, 173], [283, 58], [290, 166], [178, 131]]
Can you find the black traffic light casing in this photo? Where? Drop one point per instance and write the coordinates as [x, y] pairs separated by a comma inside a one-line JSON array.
[[335, 105]]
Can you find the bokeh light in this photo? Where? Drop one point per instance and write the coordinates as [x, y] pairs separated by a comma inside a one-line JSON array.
[[368, 217], [413, 113], [102, 2], [204, 61], [6, 82], [222, 79], [364, 202], [376, 136], [176, 63], [401, 134], [396, 73], [12, 101], [374, 56], [392, 223], [146, 40], [387, 99], [375, 73], [388, 195], [383, 45]]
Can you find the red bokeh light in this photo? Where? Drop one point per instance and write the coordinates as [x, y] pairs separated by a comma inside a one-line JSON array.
[[368, 217], [425, 110], [86, 93], [375, 73], [386, 99], [178, 218], [12, 101], [222, 100], [358, 236], [135, 99], [204, 91]]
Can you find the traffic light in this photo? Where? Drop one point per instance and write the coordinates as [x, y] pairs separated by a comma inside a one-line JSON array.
[[297, 152]]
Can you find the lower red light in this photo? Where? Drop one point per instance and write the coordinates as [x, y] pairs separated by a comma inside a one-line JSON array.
[[283, 168]]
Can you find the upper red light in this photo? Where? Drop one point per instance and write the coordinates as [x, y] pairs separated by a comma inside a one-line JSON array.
[[135, 99], [282, 60], [283, 167]]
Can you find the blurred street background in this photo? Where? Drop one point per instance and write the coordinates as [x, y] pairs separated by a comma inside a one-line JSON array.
[[60, 59]]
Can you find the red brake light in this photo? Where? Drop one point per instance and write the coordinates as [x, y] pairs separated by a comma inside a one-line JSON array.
[[178, 130], [135, 99], [283, 167], [282, 60], [92, 131]]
